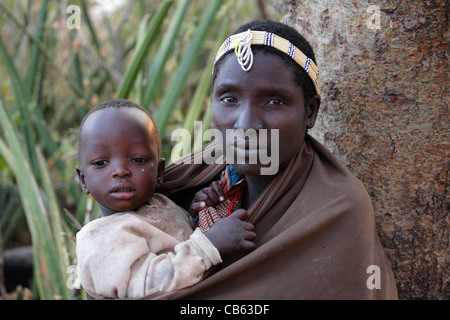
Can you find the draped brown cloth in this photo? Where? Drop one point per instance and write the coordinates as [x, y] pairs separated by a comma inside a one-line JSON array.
[[316, 236]]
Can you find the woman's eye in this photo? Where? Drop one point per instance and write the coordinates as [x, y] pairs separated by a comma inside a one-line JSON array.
[[138, 160], [276, 102], [228, 100]]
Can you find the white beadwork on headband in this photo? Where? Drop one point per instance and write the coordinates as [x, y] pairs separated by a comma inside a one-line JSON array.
[[241, 43], [244, 52]]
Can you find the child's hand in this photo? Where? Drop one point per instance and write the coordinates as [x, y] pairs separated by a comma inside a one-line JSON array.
[[207, 197], [232, 233]]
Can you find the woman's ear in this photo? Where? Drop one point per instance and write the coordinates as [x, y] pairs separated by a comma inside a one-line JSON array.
[[312, 111], [160, 176], [82, 180]]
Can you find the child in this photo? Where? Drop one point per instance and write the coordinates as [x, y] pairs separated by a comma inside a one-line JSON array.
[[143, 243]]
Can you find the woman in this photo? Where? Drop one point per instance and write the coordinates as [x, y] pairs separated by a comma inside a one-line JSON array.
[[314, 221]]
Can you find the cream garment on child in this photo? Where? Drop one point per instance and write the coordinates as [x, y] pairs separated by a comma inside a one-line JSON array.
[[134, 254]]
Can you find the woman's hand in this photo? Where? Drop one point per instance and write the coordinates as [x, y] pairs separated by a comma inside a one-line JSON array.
[[232, 233], [207, 197]]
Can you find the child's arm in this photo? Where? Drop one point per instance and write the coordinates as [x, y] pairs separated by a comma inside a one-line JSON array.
[[207, 197], [177, 269]]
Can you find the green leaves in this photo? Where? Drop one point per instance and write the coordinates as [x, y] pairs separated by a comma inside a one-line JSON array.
[[185, 67], [142, 50], [163, 54], [33, 147], [47, 246]]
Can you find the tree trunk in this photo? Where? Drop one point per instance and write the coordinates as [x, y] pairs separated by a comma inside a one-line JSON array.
[[385, 114]]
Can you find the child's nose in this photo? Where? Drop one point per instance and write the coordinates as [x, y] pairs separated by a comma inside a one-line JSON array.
[[121, 170]]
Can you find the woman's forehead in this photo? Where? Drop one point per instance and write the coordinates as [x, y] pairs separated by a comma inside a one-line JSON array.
[[268, 69]]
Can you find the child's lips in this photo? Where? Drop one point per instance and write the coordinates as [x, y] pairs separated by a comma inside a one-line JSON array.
[[122, 193]]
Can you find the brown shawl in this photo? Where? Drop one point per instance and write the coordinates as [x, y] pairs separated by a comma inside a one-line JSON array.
[[316, 236]]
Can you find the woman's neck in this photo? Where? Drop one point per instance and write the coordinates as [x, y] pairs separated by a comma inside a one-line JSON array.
[[255, 186]]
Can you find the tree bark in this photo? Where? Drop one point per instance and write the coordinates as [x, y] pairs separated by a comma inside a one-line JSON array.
[[384, 113]]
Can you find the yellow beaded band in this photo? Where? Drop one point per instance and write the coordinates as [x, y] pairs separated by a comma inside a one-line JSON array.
[[241, 43]]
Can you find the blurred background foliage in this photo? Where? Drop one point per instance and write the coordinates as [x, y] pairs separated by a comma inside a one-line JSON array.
[[156, 53]]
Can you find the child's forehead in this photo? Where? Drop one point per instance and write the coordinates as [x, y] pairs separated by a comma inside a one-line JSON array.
[[119, 122], [112, 116]]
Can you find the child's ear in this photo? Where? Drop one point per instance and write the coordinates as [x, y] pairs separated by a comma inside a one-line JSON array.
[[82, 180], [160, 176]]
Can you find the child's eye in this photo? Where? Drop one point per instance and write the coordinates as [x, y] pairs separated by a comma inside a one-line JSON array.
[[99, 163], [138, 160]]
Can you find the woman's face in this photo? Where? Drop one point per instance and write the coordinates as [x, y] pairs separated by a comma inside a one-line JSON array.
[[266, 97]]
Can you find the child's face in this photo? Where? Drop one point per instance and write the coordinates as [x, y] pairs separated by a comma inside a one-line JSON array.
[[119, 159]]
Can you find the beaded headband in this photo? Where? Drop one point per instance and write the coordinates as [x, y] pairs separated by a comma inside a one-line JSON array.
[[241, 43]]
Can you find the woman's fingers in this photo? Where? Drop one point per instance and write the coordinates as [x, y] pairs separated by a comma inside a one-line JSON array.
[[217, 187], [197, 206], [213, 198]]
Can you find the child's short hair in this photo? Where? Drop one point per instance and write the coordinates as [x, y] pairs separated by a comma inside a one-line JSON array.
[[120, 103], [288, 33]]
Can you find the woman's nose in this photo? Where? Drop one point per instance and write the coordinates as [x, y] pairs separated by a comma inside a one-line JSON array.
[[248, 118], [121, 169]]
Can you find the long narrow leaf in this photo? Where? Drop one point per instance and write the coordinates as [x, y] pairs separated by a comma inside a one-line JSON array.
[[45, 254], [87, 19], [154, 75], [176, 86], [202, 91], [23, 100], [136, 92], [57, 224], [34, 55], [77, 90], [140, 54]]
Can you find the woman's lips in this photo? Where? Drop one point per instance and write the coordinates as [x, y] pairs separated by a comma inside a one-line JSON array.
[[249, 145], [244, 152]]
